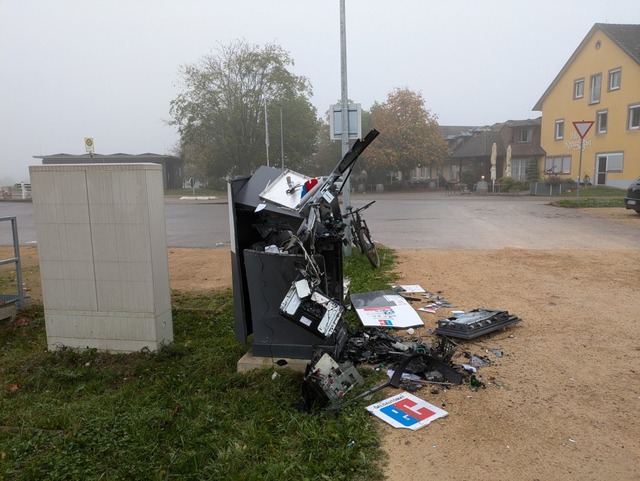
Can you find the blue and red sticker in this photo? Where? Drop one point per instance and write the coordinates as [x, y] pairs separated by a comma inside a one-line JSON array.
[[406, 411]]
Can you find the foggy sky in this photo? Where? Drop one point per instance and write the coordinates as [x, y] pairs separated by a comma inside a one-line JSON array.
[[107, 69]]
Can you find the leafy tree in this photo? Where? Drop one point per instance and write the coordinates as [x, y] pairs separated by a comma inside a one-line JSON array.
[[409, 134], [220, 112], [328, 153], [299, 132]]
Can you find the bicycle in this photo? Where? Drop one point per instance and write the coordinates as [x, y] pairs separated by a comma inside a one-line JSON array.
[[360, 234]]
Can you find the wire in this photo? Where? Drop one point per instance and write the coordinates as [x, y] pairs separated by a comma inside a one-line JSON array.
[[311, 266]]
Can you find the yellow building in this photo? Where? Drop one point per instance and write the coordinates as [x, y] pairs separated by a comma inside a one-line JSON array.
[[600, 83]]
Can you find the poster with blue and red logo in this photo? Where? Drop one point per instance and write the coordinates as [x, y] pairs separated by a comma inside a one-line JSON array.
[[406, 411]]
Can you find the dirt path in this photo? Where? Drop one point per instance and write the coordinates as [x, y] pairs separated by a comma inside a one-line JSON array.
[[561, 403]]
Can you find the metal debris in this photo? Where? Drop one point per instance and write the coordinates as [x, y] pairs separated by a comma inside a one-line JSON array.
[[475, 323], [326, 381]]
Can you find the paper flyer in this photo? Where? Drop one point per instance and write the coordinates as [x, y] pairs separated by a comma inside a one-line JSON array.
[[385, 309]]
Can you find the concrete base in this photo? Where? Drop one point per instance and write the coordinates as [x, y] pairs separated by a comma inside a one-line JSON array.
[[7, 311], [249, 362], [108, 331]]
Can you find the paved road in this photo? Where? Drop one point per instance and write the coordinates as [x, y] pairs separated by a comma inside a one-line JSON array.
[[408, 220], [440, 221]]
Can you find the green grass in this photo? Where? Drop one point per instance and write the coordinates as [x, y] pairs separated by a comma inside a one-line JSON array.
[[182, 413], [597, 191], [364, 277], [198, 192], [598, 196], [588, 202]]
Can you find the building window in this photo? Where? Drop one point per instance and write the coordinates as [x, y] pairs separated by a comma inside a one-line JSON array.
[[578, 88], [601, 122], [610, 162], [519, 169], [634, 117], [455, 173], [523, 136], [560, 164], [615, 162], [594, 94], [615, 76], [559, 135]]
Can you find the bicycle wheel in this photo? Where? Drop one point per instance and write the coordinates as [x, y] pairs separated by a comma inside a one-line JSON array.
[[368, 246], [355, 239]]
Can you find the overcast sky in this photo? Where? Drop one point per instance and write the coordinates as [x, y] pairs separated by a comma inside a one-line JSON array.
[[107, 69]]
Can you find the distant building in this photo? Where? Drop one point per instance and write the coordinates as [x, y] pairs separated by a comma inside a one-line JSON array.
[[454, 135], [470, 149], [599, 83], [523, 136], [474, 156], [171, 165]]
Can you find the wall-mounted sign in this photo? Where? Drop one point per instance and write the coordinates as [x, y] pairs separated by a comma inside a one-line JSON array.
[[88, 145]]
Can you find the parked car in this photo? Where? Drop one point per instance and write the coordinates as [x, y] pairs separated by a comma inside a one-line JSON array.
[[632, 200]]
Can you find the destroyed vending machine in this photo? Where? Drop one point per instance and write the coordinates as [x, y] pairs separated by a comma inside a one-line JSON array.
[[286, 259]]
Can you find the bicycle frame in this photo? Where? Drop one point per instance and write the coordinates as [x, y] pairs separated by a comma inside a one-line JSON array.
[[360, 235]]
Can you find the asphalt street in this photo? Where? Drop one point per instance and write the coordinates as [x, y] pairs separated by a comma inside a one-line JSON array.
[[425, 220]]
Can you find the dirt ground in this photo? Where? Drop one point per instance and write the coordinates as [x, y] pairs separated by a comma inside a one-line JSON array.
[[562, 401]]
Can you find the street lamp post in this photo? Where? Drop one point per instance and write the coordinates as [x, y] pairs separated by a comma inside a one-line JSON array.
[[346, 191], [266, 130], [281, 138]]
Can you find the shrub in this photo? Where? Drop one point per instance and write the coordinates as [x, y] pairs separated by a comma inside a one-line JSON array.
[[468, 177], [509, 184], [533, 173]]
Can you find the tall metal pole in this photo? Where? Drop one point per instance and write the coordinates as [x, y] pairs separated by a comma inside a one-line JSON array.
[[281, 138], [579, 168], [266, 130], [346, 191]]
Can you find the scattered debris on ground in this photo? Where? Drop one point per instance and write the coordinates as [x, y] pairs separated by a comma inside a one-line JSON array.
[[287, 232], [410, 362]]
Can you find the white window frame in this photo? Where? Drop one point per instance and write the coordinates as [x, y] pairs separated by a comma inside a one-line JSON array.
[[615, 80], [600, 128], [634, 117], [454, 173], [557, 164], [595, 89], [615, 161], [519, 169], [528, 137], [578, 88], [559, 130]]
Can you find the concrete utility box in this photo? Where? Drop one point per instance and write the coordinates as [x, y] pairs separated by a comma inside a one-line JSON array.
[[102, 246]]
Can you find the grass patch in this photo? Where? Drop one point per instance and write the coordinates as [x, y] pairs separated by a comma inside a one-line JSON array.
[[588, 202], [198, 192], [366, 278], [181, 413], [597, 191], [599, 196]]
